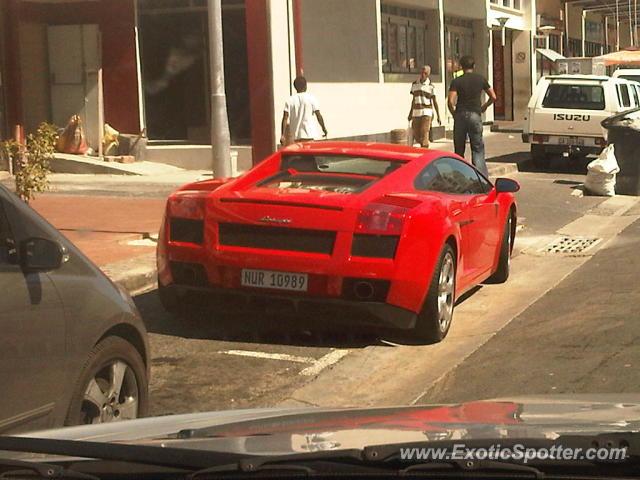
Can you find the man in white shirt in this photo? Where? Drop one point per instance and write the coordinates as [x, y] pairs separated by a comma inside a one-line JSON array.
[[298, 122], [423, 104]]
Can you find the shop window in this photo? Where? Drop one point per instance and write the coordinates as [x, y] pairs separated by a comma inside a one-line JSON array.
[[515, 4], [404, 40], [174, 42]]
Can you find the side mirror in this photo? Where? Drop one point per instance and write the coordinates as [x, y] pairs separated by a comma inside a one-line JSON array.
[[504, 185], [41, 255]]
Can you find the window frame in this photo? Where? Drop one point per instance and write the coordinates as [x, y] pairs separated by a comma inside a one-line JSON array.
[[414, 23], [621, 99]]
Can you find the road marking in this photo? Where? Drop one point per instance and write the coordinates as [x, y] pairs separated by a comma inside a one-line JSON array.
[[324, 362], [270, 356]]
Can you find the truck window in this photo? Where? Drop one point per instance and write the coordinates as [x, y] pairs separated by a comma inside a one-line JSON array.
[[623, 95], [634, 91], [633, 78], [583, 97]]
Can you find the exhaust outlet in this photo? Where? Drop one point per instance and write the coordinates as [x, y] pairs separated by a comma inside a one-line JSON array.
[[363, 290]]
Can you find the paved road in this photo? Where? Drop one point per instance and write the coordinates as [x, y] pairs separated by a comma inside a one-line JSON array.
[[582, 337], [231, 361]]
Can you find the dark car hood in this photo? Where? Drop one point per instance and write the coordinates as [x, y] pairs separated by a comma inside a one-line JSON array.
[[286, 430]]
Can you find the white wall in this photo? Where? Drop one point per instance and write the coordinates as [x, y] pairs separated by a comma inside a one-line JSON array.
[[522, 85], [471, 9], [352, 109], [282, 62], [340, 40]]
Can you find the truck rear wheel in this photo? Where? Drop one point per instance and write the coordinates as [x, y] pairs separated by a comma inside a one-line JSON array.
[[540, 157]]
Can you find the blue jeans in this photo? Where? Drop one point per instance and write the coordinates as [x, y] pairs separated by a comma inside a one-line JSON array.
[[470, 124]]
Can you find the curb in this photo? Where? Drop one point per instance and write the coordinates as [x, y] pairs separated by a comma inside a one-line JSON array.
[[135, 274], [498, 129], [499, 169]]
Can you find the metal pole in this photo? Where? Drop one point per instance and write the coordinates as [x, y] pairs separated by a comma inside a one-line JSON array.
[[606, 34], [584, 16], [566, 28], [220, 137], [630, 25], [617, 27]]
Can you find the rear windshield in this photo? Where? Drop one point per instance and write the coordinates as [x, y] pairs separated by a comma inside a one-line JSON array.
[[335, 173], [584, 97]]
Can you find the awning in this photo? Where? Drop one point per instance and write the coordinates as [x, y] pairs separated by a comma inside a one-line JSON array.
[[550, 54], [623, 57]]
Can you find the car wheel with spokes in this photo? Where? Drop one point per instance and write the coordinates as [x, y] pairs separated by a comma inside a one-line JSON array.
[[113, 385], [433, 322]]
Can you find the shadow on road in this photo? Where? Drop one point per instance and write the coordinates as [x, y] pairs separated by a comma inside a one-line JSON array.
[[558, 164], [255, 327], [272, 328]]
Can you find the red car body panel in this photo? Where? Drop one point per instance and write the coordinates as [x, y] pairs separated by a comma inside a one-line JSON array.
[[472, 223]]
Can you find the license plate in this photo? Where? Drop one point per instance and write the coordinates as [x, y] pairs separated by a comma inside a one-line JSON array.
[[294, 282], [571, 141]]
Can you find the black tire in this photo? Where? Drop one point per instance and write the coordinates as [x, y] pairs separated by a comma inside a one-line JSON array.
[[540, 157], [130, 400], [501, 274], [433, 323]]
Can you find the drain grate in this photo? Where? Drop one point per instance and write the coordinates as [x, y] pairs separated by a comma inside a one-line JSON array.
[[571, 244]]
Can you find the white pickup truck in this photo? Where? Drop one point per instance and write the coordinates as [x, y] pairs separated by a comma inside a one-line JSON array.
[[565, 111]]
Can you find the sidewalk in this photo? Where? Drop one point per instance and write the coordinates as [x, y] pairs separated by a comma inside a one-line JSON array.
[[117, 233]]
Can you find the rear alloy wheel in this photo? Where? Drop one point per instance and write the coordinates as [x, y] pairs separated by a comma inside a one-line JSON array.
[[433, 322], [501, 274], [113, 385], [540, 157]]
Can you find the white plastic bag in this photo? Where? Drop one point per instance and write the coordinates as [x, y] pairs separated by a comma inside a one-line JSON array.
[[409, 135], [601, 173]]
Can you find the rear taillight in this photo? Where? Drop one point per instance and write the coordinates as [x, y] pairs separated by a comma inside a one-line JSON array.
[[601, 142], [381, 219], [540, 138], [187, 206]]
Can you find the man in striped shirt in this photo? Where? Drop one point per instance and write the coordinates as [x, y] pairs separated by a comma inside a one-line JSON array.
[[423, 104]]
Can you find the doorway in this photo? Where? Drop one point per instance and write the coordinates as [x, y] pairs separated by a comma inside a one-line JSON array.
[[74, 63], [502, 74]]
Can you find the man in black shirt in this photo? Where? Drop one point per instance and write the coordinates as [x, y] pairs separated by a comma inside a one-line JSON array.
[[467, 111]]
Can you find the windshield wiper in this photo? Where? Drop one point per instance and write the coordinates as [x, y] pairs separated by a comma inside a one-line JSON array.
[[182, 458], [17, 468]]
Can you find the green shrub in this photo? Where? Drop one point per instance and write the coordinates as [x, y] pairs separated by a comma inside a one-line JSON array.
[[31, 162]]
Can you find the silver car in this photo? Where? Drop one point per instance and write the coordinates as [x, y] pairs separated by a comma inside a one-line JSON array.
[[73, 348]]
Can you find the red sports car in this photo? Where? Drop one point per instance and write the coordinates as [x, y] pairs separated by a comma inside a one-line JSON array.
[[384, 233]]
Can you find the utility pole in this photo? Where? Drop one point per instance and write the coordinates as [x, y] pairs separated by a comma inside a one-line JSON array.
[[220, 137]]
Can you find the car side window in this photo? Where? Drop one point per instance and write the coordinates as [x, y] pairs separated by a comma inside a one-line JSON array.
[[450, 175], [7, 242], [484, 183]]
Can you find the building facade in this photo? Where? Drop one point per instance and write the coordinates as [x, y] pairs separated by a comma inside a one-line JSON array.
[[142, 65]]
